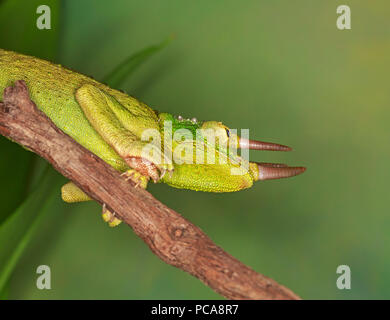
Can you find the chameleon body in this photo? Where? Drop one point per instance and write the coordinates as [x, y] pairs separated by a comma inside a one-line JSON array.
[[110, 124]]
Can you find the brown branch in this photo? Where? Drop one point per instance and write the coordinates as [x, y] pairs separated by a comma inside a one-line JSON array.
[[171, 237]]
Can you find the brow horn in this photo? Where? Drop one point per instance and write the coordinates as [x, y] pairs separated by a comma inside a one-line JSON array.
[[260, 145], [268, 171]]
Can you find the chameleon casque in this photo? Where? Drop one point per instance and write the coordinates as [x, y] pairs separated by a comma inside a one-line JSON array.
[[110, 124]]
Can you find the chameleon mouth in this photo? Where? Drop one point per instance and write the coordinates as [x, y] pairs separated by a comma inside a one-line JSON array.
[[270, 171]]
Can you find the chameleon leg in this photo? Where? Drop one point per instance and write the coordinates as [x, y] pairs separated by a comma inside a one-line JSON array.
[[112, 121], [139, 180], [71, 193]]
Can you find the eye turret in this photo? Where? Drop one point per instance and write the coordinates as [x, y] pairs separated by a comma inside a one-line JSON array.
[[219, 130]]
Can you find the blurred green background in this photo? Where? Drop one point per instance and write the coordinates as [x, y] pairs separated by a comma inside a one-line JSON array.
[[280, 68]]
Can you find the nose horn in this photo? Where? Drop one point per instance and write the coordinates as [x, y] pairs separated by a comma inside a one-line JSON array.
[[260, 145], [268, 171]]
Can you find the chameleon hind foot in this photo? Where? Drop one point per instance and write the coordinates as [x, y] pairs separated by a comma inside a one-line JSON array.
[[139, 179], [110, 218]]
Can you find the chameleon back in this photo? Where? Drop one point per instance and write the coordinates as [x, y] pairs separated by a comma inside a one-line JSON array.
[[52, 87]]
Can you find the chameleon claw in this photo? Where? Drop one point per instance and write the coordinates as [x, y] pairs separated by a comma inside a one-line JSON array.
[[163, 172], [109, 217], [170, 172], [115, 222], [137, 178], [129, 175]]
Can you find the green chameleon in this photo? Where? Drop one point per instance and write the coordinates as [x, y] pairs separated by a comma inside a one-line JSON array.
[[111, 124]]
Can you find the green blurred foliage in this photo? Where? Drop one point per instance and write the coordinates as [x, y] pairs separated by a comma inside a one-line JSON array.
[[125, 69], [19, 33], [17, 231], [21, 171], [280, 68]]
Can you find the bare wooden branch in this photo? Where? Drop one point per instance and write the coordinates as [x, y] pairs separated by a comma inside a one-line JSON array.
[[171, 237]]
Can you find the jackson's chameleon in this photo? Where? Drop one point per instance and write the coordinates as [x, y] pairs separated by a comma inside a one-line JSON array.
[[110, 124]]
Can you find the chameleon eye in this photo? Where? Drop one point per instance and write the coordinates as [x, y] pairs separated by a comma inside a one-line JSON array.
[[227, 132]]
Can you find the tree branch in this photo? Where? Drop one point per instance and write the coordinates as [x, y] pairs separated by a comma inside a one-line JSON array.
[[171, 237]]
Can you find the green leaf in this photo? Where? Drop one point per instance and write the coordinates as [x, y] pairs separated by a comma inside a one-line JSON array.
[[127, 67], [17, 230]]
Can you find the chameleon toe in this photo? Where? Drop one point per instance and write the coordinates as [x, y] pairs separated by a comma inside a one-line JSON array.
[[109, 217]]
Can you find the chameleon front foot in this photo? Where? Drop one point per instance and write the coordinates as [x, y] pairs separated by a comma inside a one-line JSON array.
[[139, 179], [110, 218], [148, 168]]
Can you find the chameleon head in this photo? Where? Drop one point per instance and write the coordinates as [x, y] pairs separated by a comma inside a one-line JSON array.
[[215, 165]]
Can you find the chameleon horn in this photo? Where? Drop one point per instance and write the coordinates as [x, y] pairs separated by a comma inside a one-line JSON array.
[[260, 145], [268, 172], [272, 165]]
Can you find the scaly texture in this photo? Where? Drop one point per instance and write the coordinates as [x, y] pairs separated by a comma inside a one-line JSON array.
[[52, 87]]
